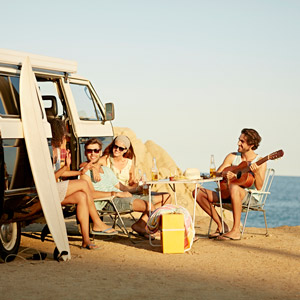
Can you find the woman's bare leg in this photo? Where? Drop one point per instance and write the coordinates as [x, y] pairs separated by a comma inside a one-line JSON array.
[[82, 185], [79, 198]]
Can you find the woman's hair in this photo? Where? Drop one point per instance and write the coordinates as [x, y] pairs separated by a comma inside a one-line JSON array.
[[128, 154], [252, 137], [58, 129]]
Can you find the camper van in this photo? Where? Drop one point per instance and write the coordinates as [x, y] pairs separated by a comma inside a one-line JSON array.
[[35, 89]]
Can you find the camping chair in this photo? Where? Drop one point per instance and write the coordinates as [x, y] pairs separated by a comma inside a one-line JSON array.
[[114, 214], [258, 206], [68, 210]]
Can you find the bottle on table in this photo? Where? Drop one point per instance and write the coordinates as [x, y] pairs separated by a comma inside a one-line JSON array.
[[140, 179], [154, 170], [145, 185], [212, 170]]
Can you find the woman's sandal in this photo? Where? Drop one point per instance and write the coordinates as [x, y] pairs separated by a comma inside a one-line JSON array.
[[90, 247]]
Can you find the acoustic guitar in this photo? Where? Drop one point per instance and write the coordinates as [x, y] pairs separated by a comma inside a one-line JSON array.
[[244, 176]]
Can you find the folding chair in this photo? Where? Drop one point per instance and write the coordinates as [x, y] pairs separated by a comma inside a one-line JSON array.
[[258, 206], [114, 214], [68, 210]]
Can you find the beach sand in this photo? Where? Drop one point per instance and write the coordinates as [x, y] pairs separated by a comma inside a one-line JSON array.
[[257, 267]]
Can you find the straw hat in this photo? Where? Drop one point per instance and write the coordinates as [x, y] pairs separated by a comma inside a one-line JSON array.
[[192, 174]]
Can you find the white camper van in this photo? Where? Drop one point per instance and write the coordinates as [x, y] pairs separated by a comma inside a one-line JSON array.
[[33, 90]]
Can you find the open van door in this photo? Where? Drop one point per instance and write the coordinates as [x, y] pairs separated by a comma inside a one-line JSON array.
[[32, 115], [90, 118]]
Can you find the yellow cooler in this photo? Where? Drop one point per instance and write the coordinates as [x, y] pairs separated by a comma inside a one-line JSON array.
[[172, 228]]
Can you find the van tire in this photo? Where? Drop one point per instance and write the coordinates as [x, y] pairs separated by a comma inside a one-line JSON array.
[[10, 237]]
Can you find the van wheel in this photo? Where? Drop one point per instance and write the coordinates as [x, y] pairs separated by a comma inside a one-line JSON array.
[[10, 237]]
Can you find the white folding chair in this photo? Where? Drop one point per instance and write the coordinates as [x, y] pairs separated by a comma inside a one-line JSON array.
[[114, 214], [258, 206], [263, 195]]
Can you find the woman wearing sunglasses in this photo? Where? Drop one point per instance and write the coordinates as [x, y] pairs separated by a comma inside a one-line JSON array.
[[75, 191], [120, 158]]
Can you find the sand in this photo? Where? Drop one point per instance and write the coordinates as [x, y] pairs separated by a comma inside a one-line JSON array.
[[257, 267]]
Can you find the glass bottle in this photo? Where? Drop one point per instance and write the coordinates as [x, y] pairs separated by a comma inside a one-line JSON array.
[[140, 178], [154, 170], [145, 185], [212, 169]]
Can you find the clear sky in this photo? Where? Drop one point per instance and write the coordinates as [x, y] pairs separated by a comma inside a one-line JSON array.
[[188, 75]]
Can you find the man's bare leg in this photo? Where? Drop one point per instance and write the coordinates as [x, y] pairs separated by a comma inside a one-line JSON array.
[[237, 194], [143, 206], [205, 198]]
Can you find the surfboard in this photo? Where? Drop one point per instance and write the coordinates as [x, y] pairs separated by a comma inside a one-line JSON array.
[[39, 158]]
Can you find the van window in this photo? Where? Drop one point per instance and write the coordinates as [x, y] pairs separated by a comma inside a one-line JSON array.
[[9, 95], [87, 106], [17, 167], [50, 88]]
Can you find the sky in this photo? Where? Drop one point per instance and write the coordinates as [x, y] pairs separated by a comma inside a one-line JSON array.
[[188, 75]]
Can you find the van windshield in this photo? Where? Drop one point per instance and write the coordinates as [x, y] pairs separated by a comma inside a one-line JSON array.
[[87, 106]]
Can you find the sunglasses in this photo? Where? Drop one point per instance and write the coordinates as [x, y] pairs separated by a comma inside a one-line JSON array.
[[93, 150], [120, 148]]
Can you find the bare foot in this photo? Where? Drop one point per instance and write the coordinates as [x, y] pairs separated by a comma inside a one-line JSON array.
[[139, 227], [226, 238], [90, 246], [231, 235]]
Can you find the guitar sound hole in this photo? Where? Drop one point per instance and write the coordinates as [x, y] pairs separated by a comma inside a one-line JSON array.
[[239, 174]]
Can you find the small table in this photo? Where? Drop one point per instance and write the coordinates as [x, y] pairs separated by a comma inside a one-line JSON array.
[[172, 184]]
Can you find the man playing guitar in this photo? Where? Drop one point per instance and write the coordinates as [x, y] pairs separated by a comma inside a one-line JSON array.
[[248, 142]]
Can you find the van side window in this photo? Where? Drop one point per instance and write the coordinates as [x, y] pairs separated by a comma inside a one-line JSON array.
[[87, 106], [49, 88], [9, 95]]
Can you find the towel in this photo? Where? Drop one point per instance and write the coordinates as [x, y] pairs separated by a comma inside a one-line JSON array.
[[189, 232]]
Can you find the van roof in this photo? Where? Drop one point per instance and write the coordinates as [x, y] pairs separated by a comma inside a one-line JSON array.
[[11, 57]]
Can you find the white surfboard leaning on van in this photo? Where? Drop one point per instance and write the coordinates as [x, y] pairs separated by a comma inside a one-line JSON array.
[[39, 158]]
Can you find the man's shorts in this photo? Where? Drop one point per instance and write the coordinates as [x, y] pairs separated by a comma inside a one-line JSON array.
[[124, 204], [245, 200]]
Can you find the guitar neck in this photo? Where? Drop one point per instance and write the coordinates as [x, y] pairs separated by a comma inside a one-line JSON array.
[[262, 160], [246, 169]]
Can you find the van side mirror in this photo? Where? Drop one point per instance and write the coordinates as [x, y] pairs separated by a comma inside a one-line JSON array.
[[109, 111]]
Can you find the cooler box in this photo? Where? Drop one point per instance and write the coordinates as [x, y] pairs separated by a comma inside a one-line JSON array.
[[172, 230]]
